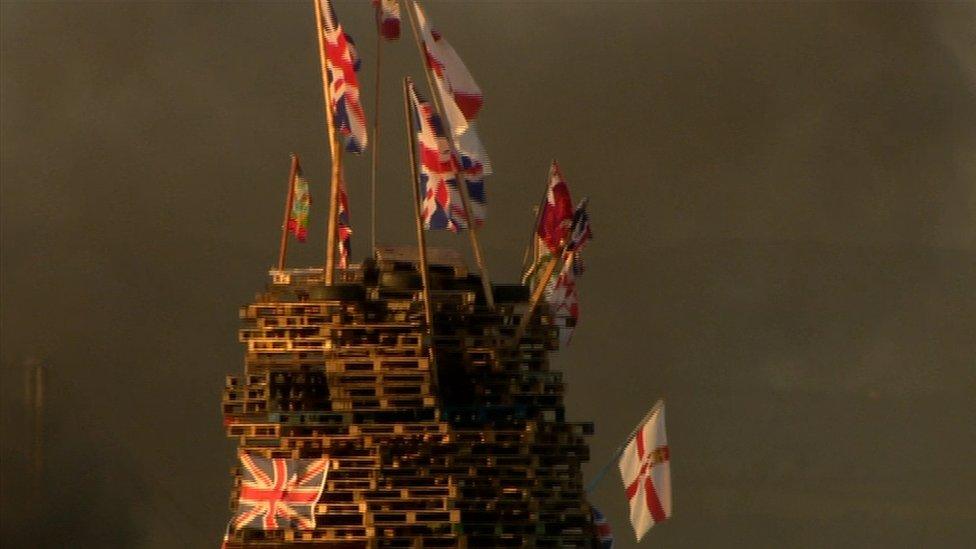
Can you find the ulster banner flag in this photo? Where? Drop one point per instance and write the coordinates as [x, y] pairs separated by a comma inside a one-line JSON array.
[[646, 472], [556, 216]]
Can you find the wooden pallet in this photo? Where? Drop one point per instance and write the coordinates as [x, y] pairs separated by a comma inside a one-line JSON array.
[[468, 450]]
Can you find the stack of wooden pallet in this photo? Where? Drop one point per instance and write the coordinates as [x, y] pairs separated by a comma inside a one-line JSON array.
[[455, 440]]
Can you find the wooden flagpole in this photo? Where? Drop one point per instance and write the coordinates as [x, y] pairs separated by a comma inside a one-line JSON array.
[[334, 149], [283, 248], [532, 248], [472, 229], [537, 293], [421, 237]]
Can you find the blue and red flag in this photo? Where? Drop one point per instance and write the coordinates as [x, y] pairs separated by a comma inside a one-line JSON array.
[[579, 232], [602, 529], [279, 493], [441, 206], [345, 229], [342, 63], [388, 18]]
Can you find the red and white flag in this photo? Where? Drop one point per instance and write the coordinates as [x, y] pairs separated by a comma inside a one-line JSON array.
[[463, 93], [564, 302], [388, 18], [646, 472], [556, 216], [460, 96]]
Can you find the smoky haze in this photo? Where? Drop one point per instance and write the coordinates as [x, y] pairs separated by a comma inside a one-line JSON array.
[[784, 206]]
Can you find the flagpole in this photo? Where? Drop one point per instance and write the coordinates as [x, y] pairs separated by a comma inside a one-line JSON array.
[[537, 294], [376, 141], [461, 183], [620, 449], [283, 248], [334, 149], [421, 237], [532, 246]]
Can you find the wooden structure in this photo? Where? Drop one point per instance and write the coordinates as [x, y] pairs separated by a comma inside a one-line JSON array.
[[454, 440]]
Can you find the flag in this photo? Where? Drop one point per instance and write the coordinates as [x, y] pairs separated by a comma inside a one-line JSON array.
[[464, 96], [279, 493], [388, 18], [345, 229], [556, 215], [298, 216], [459, 94], [441, 206], [563, 302], [342, 63], [602, 529], [576, 259], [579, 232], [646, 473]]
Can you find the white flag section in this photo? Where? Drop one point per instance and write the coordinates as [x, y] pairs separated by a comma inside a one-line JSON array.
[[459, 94], [646, 472], [449, 70], [563, 302]]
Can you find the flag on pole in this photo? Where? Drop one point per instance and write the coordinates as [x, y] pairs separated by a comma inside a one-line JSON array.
[[441, 206], [556, 216], [388, 18], [279, 493], [604, 535], [459, 94], [579, 232], [646, 473], [301, 199], [449, 71], [563, 302], [342, 63], [345, 229]]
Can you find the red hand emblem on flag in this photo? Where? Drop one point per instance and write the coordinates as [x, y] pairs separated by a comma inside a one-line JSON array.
[[644, 480], [646, 473]]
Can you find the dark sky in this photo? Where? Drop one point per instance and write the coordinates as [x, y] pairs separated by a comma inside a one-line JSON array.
[[784, 201]]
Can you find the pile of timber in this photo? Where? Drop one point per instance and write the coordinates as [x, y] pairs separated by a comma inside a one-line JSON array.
[[459, 440]]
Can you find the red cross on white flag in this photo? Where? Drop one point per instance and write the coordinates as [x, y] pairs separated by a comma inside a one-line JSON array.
[[646, 472]]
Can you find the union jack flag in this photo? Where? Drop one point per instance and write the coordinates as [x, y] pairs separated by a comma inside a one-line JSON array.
[[556, 216], [345, 230], [441, 206], [646, 472], [580, 232], [279, 493], [342, 63], [603, 534]]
